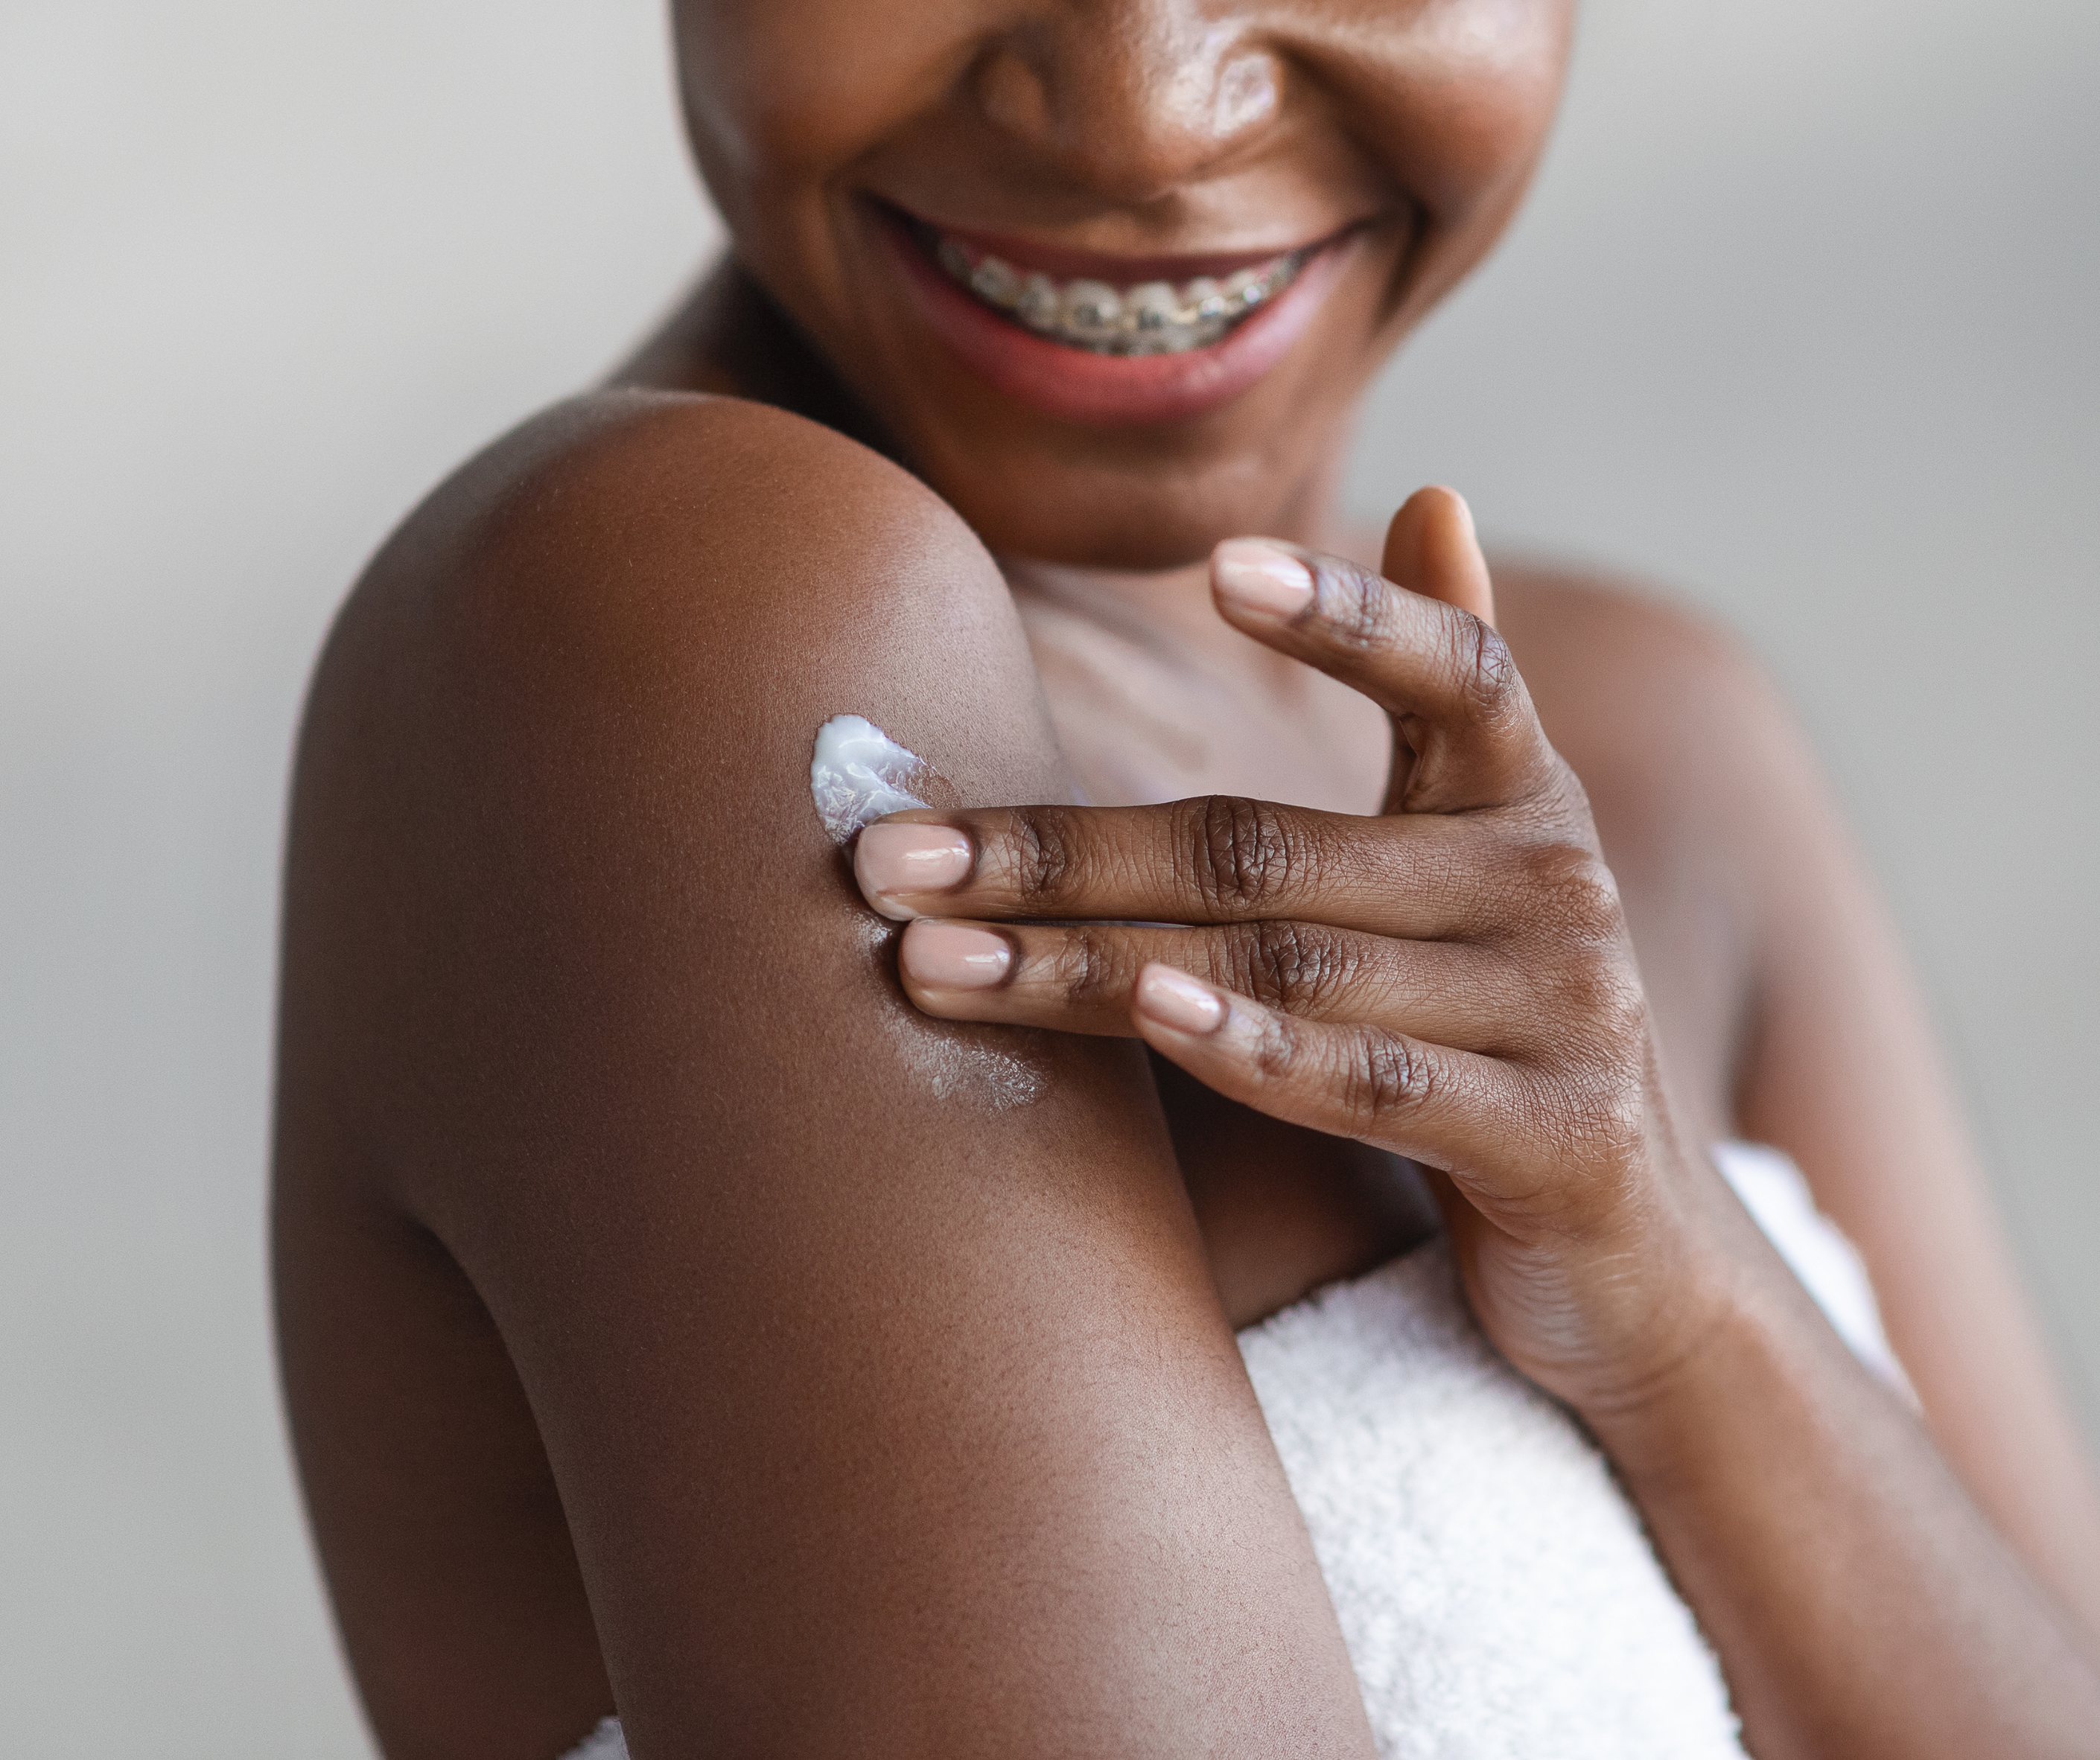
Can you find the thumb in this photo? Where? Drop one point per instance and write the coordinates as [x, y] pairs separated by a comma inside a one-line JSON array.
[[1430, 549]]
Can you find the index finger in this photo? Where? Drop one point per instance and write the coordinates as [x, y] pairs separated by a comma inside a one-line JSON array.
[[1446, 677], [1217, 858]]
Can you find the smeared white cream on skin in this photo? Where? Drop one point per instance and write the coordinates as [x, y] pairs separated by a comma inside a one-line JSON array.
[[857, 774]]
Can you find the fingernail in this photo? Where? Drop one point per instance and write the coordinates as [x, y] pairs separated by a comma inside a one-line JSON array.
[[908, 859], [953, 956], [1174, 999], [1257, 577]]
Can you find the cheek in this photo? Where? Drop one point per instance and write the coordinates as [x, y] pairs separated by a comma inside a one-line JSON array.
[[780, 92], [1462, 105], [1509, 59]]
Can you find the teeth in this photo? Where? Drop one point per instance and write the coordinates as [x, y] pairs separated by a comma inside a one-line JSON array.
[[1152, 318], [1092, 310], [1205, 297], [1039, 304], [1152, 306], [992, 280]]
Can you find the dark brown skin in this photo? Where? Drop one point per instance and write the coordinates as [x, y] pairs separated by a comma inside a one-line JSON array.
[[659, 1331], [876, 1417]]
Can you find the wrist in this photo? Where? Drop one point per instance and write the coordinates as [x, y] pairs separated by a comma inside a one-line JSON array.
[[1673, 1336], [1752, 1361]]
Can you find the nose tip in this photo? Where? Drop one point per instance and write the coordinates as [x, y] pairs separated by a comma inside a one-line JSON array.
[[1246, 92], [1125, 102]]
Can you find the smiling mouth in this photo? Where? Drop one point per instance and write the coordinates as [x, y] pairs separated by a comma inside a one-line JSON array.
[[1152, 317]]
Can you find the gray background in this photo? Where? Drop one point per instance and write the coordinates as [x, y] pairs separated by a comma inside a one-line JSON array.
[[1800, 322]]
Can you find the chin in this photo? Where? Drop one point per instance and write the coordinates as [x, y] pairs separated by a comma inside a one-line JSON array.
[[1138, 520], [1082, 487]]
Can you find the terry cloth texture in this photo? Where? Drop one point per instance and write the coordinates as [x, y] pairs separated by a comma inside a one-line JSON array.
[[604, 1743], [1498, 1593]]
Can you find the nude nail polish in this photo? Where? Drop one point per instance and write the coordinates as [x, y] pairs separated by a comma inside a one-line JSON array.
[[889, 859], [1253, 576], [955, 956], [1175, 1000]]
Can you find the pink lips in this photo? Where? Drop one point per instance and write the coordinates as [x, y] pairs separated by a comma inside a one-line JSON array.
[[1116, 390]]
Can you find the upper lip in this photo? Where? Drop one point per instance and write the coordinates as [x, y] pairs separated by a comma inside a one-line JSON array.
[[1063, 262]]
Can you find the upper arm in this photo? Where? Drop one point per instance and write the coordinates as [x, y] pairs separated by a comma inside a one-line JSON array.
[[1822, 1043], [1844, 1070], [875, 1359]]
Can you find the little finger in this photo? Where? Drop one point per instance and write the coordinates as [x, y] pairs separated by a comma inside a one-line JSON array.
[[1449, 1108]]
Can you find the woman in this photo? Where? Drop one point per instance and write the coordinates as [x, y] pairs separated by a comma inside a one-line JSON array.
[[698, 1298]]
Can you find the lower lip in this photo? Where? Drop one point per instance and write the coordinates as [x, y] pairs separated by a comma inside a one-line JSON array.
[[1116, 390]]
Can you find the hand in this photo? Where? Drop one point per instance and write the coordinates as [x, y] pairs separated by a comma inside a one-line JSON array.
[[1451, 979]]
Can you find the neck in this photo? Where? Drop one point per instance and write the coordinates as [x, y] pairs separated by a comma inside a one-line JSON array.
[[1168, 611], [728, 337]]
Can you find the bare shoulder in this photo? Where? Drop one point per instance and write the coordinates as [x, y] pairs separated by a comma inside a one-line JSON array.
[[647, 1269], [602, 648], [1677, 729], [1625, 671], [632, 541], [580, 679]]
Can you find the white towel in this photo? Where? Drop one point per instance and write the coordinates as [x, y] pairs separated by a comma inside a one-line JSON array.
[[1497, 1591], [604, 1743]]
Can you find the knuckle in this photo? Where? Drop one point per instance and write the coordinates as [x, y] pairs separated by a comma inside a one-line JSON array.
[[1589, 904], [1243, 855], [1603, 1006], [1360, 617], [1590, 1092], [1288, 964], [1277, 1048], [1571, 891], [1092, 968], [1044, 858], [1605, 1115], [1387, 1077], [1489, 684]]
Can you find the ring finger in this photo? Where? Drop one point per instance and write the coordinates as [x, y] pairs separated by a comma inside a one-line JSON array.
[[1081, 977]]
